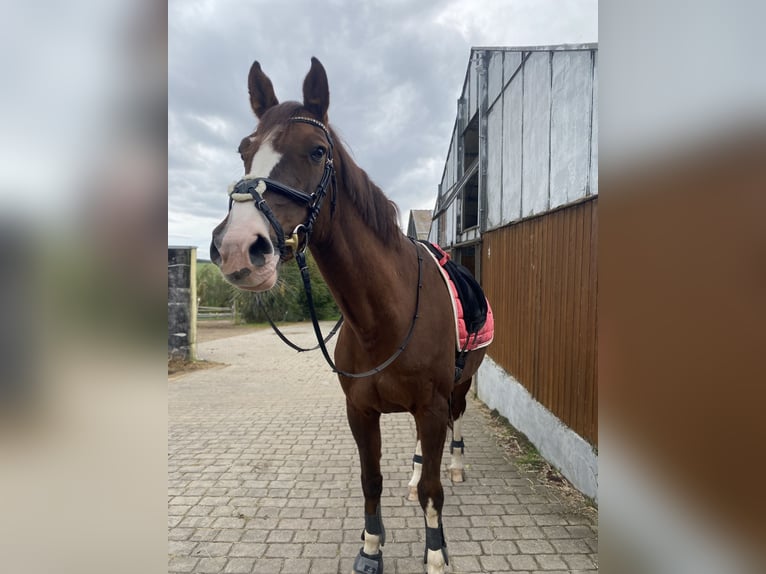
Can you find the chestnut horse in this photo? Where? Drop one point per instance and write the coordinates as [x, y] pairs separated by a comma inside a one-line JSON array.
[[396, 351]]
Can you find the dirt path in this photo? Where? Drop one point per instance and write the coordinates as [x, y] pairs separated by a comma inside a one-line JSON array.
[[222, 329]]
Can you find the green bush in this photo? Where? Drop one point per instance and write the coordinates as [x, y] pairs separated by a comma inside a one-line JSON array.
[[285, 302], [212, 289]]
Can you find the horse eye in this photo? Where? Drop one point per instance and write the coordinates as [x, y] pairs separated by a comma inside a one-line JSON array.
[[318, 153]]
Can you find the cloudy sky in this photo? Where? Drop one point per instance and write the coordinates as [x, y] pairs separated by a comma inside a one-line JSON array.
[[395, 70]]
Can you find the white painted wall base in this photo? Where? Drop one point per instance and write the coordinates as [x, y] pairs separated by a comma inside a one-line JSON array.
[[572, 455]]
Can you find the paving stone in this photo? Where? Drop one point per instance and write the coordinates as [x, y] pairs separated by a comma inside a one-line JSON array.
[[239, 566], [534, 546], [263, 477], [182, 563], [522, 562], [210, 565], [493, 564], [297, 566]]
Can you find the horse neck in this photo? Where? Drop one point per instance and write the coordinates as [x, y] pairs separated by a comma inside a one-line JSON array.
[[369, 276]]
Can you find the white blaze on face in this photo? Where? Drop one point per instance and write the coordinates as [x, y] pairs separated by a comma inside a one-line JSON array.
[[244, 217], [264, 160]]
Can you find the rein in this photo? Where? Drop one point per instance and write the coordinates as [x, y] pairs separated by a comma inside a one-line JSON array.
[[301, 260], [252, 188]]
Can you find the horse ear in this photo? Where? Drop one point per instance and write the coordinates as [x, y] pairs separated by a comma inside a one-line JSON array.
[[316, 93], [261, 90]]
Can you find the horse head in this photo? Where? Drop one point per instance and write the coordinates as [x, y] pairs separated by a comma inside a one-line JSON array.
[[288, 171]]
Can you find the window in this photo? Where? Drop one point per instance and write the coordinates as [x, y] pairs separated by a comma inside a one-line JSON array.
[[468, 215], [470, 207]]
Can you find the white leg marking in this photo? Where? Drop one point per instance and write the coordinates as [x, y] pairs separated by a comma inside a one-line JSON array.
[[417, 471], [432, 517], [456, 463], [435, 562], [371, 543], [435, 558]]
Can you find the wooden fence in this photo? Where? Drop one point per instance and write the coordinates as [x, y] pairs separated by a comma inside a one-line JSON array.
[[540, 276], [206, 312]]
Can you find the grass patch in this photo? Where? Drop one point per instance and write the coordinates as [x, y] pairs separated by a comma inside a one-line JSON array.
[[526, 455], [529, 460]]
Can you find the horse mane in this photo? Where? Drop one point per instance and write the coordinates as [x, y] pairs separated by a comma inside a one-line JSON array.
[[376, 210]]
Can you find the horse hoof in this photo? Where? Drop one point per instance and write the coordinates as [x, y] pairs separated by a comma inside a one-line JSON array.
[[366, 564], [456, 475], [412, 496]]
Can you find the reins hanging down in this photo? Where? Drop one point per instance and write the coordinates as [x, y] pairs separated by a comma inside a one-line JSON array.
[[287, 341], [300, 258]]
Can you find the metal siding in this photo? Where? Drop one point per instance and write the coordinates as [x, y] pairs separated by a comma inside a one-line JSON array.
[[571, 95], [495, 82], [473, 101], [511, 63], [541, 278], [495, 165], [536, 133], [450, 172], [512, 113], [594, 130], [433, 233]]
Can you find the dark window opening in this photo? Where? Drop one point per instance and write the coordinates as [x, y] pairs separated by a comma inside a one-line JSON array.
[[471, 143], [470, 207]]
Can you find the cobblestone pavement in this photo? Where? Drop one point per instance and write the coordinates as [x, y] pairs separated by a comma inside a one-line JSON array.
[[264, 478]]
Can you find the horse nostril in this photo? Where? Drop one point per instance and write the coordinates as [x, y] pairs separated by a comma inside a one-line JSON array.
[[259, 249], [215, 255]]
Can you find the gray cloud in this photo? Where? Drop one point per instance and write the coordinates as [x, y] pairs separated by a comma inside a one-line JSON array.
[[395, 70]]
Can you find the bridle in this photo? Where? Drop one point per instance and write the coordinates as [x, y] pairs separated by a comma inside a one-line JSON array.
[[252, 188]]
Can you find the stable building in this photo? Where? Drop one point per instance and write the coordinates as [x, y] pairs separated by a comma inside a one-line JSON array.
[[517, 204]]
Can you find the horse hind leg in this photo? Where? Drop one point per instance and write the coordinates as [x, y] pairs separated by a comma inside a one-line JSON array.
[[417, 470], [366, 430], [457, 446]]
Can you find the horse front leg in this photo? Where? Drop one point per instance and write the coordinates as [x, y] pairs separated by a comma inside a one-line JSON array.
[[432, 430], [365, 426]]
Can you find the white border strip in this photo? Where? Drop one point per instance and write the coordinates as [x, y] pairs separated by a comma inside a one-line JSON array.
[[572, 455]]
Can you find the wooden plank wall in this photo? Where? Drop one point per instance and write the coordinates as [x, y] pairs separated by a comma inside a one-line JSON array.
[[540, 277]]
